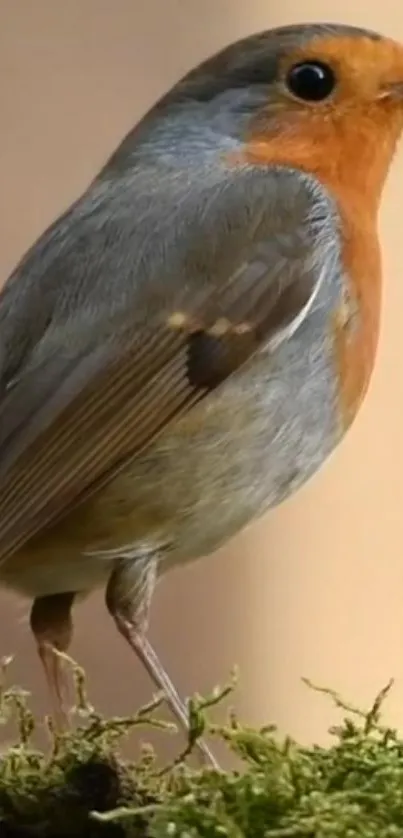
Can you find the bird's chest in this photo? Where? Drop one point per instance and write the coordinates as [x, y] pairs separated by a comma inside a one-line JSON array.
[[356, 321]]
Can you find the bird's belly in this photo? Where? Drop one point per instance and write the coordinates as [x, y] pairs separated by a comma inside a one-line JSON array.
[[244, 449], [46, 569]]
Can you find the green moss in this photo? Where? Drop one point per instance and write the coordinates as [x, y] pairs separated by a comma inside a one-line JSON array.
[[81, 787]]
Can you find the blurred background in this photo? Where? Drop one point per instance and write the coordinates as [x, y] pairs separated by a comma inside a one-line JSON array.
[[315, 589]]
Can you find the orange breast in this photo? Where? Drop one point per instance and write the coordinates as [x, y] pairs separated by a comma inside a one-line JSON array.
[[343, 168], [355, 347]]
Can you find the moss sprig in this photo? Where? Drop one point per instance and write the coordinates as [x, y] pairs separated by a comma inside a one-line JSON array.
[[81, 786]]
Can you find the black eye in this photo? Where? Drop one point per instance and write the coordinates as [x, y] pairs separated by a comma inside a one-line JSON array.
[[311, 81]]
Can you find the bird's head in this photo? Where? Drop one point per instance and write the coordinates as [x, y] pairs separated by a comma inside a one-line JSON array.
[[325, 98]]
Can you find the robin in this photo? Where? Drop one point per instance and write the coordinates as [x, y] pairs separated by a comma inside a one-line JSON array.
[[187, 344]]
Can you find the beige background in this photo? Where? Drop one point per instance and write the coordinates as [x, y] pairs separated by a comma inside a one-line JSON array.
[[316, 588]]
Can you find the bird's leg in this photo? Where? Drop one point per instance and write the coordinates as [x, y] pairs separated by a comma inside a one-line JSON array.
[[128, 598], [52, 627]]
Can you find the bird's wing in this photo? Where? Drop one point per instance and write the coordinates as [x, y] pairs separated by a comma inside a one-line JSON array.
[[92, 375]]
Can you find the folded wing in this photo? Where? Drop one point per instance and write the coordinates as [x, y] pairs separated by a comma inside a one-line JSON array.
[[91, 378]]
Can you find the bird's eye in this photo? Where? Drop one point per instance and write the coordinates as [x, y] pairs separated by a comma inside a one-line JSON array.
[[311, 81]]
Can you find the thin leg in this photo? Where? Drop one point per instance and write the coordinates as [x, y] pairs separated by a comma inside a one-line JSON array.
[[52, 627], [128, 598]]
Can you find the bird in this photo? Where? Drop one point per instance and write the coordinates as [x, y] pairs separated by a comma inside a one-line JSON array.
[[189, 342]]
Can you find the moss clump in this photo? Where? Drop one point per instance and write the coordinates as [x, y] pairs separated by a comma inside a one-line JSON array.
[[81, 788]]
